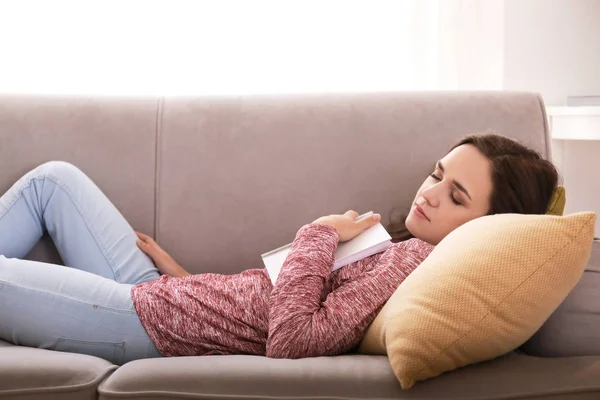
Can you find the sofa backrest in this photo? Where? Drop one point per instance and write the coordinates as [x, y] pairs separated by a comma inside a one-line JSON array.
[[113, 140], [221, 180]]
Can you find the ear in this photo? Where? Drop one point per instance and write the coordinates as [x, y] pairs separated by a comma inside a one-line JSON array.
[[557, 202]]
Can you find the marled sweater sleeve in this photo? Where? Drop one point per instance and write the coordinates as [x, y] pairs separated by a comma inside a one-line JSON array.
[[301, 323]]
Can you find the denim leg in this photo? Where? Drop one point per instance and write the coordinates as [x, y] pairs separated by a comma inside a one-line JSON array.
[[64, 309], [89, 232]]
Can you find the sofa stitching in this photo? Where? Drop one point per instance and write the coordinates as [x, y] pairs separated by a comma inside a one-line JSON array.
[[157, 163], [93, 384]]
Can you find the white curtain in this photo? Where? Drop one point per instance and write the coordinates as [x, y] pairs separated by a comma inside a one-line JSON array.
[[132, 47]]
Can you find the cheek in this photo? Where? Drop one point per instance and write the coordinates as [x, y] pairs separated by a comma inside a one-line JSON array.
[[461, 218]]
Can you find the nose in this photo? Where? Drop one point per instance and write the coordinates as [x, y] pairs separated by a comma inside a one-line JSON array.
[[431, 195]]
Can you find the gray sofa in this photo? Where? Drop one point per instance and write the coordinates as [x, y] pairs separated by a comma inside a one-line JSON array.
[[220, 180]]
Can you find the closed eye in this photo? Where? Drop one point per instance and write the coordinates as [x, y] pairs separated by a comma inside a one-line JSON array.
[[434, 176]]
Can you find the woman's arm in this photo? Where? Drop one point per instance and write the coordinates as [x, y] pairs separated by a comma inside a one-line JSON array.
[[163, 261], [301, 322]]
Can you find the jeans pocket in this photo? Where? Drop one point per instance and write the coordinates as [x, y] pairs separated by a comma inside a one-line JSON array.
[[110, 351]]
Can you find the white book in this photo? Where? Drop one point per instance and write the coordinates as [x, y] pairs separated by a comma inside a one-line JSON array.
[[372, 241]]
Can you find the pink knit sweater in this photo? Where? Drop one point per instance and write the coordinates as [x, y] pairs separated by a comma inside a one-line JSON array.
[[310, 311]]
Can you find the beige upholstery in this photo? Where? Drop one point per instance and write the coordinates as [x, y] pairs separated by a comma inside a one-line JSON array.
[[112, 140], [353, 376], [246, 173], [27, 373], [221, 180], [574, 328]]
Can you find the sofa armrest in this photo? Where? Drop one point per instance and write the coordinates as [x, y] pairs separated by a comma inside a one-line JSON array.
[[594, 262]]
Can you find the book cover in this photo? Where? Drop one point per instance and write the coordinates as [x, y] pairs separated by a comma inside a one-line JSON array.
[[372, 241]]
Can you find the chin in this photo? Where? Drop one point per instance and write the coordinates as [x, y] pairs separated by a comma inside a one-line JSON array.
[[417, 230], [412, 226]]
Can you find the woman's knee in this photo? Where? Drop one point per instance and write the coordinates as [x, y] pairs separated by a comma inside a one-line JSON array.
[[58, 167], [62, 170]]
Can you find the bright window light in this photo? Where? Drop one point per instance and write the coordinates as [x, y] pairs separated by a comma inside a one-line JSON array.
[[130, 47]]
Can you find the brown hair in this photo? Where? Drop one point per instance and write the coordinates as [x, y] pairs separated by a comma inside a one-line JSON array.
[[522, 181]]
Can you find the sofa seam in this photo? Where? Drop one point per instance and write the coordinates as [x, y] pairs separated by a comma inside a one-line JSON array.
[[157, 163], [524, 395], [192, 395], [104, 393], [93, 384]]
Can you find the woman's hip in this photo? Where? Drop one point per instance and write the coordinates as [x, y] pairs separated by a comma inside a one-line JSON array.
[[59, 308]]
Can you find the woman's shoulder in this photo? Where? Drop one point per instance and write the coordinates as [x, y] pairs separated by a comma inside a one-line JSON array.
[[414, 245]]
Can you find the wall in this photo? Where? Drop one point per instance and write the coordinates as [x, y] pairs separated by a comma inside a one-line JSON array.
[[553, 47]]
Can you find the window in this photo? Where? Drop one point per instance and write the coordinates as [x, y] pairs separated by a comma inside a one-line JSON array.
[[171, 47]]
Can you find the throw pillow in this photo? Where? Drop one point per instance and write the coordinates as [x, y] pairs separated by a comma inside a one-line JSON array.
[[482, 292], [557, 202]]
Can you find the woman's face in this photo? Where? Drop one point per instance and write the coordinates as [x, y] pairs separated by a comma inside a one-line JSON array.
[[456, 192]]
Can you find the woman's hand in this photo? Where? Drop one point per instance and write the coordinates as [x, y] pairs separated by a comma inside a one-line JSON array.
[[163, 261], [346, 225]]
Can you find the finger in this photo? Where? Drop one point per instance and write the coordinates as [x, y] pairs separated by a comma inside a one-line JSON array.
[[372, 220], [139, 234], [144, 237], [351, 213], [145, 247]]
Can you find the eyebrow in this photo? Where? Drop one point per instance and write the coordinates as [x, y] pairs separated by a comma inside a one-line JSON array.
[[458, 185]]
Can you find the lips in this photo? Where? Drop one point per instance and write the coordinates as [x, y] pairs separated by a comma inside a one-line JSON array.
[[422, 212]]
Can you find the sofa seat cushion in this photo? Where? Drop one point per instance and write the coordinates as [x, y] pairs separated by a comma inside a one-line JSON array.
[[29, 373], [353, 376], [574, 328]]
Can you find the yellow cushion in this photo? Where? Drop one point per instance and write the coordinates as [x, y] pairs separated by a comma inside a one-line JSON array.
[[482, 292], [557, 203]]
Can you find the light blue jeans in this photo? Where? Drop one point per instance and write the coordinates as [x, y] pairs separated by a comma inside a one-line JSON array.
[[85, 306]]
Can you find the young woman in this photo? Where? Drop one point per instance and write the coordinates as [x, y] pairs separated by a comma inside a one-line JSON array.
[[122, 304]]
